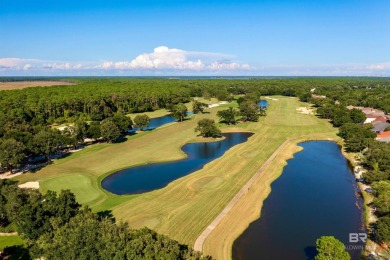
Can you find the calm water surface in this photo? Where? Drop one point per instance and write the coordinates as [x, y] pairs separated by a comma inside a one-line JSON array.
[[315, 196], [159, 121], [263, 103], [155, 176]]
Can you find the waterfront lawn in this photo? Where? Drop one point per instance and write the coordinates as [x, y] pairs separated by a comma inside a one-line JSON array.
[[186, 206]]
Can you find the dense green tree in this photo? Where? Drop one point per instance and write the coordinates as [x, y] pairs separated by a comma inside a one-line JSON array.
[[179, 112], [249, 111], [208, 128], [15, 198], [34, 213], [357, 116], [94, 131], [377, 157], [357, 137], [11, 154], [69, 135], [22, 137], [325, 112], [60, 208], [142, 121], [81, 130], [198, 107], [252, 96], [329, 248], [382, 197], [87, 237], [5, 187], [32, 220], [305, 97], [47, 142], [123, 122], [109, 130], [375, 175], [228, 116], [383, 229]]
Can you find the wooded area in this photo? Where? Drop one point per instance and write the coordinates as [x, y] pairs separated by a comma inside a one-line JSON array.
[[55, 226]]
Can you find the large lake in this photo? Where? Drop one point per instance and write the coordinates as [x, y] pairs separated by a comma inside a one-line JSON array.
[[150, 177], [315, 196]]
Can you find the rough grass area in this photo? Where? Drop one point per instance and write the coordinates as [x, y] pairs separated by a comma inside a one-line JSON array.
[[186, 206], [6, 241], [27, 84]]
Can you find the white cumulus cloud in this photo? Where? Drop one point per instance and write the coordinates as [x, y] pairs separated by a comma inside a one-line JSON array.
[[164, 58], [161, 60], [171, 61]]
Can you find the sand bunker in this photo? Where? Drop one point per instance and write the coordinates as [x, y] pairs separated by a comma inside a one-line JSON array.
[[29, 185], [218, 104], [274, 99], [305, 110]]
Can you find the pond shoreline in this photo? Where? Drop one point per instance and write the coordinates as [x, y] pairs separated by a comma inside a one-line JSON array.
[[270, 225], [147, 177]]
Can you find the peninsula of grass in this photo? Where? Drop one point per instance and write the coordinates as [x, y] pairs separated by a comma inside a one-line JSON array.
[[184, 208]]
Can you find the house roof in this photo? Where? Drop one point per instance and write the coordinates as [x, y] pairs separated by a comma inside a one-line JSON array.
[[380, 127], [380, 119], [383, 135], [387, 140]]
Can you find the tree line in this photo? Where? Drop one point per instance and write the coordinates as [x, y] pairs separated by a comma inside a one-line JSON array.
[[55, 226], [375, 155]]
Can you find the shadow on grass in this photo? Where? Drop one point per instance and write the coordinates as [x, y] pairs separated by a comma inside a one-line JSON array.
[[16, 252], [106, 214], [121, 139]]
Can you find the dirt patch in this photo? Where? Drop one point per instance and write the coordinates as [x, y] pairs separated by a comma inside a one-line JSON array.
[[26, 84]]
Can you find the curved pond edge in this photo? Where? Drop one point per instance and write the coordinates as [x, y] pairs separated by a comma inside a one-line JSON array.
[[360, 201], [185, 156]]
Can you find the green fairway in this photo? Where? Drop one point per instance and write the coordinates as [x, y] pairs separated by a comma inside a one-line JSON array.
[[80, 185], [186, 206], [6, 241]]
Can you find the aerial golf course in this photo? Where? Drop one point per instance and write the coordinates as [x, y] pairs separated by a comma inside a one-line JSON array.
[[184, 208]]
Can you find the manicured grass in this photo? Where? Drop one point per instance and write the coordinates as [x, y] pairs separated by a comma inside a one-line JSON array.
[[80, 185], [157, 113], [186, 206], [6, 241]]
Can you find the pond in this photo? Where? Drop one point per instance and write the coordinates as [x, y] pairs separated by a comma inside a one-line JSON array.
[[263, 103], [315, 196], [158, 121], [150, 177]]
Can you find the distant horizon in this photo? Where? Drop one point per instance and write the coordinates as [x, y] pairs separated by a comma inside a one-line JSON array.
[[183, 77]]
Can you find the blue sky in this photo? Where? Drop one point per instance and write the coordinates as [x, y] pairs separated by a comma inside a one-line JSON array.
[[147, 37]]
